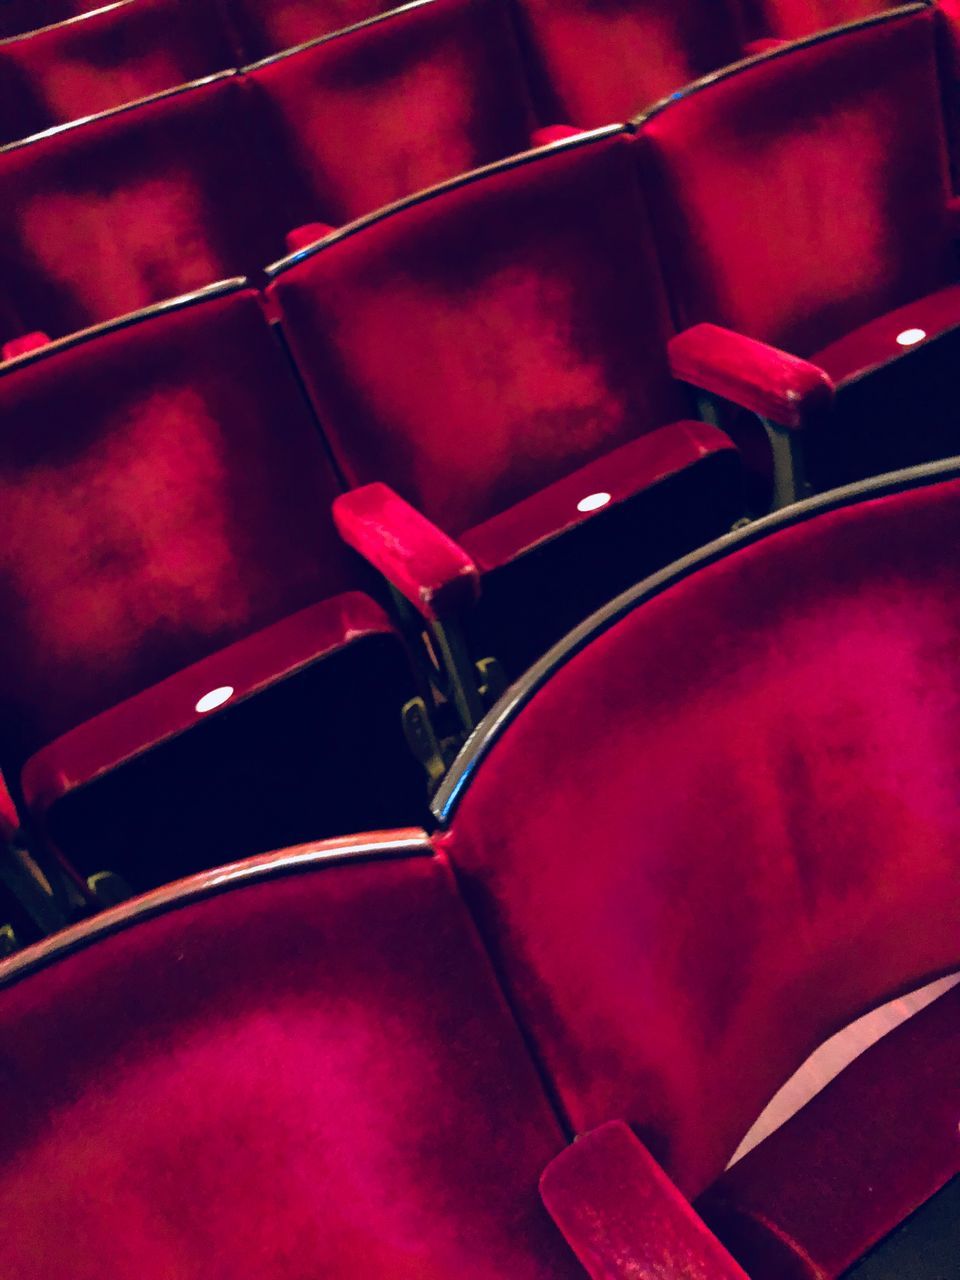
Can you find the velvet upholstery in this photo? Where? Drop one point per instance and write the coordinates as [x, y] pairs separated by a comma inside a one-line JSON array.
[[138, 205], [124, 52], [416, 557], [310, 1075], [385, 109], [843, 137], [751, 836], [858, 114], [878, 1142], [265, 27], [624, 1218], [164, 502], [761, 378], [494, 337], [792, 19], [597, 62]]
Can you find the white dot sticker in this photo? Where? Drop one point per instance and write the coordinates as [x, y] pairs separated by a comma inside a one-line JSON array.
[[910, 337], [593, 502], [215, 698]]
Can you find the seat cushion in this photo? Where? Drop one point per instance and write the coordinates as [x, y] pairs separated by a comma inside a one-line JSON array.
[[309, 744], [549, 566]]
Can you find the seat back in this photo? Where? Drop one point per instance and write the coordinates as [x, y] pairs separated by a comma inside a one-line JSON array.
[[163, 492], [265, 27], [490, 336], [804, 193], [598, 64], [723, 820], [793, 19], [137, 205], [306, 1074], [404, 101], [19, 16], [118, 54]]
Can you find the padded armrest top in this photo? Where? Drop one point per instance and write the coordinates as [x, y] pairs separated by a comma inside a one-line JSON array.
[[426, 566], [623, 1217], [763, 379]]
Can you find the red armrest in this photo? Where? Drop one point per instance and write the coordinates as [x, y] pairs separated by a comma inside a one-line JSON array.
[[553, 133], [623, 1217], [431, 570], [304, 236], [763, 379], [24, 345]]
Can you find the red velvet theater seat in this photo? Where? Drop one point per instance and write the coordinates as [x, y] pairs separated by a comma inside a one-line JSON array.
[[399, 103], [793, 19], [137, 205], [802, 207], [165, 539], [265, 27], [121, 53], [597, 64], [488, 363], [296, 1067], [718, 823]]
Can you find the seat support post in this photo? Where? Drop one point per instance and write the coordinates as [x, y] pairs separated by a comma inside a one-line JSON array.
[[790, 483]]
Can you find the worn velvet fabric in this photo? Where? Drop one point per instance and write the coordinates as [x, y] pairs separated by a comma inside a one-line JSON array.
[[729, 825], [763, 379], [416, 557], [878, 1142], [803, 195], [125, 52], [311, 1076], [396, 105], [623, 1217], [791, 19], [486, 350], [484, 341], [598, 62], [163, 493], [265, 27], [139, 205]]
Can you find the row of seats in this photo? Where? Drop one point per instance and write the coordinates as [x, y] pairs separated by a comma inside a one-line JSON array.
[[783, 316], [678, 858], [683, 38], [556, 64], [192, 661], [490, 364]]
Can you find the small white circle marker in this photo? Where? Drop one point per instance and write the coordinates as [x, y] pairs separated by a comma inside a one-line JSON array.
[[215, 698], [593, 502], [910, 337]]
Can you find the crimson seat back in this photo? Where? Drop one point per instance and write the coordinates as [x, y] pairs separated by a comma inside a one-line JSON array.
[[601, 63], [306, 1074], [265, 27], [121, 53], [723, 819], [137, 205], [402, 102], [793, 19], [163, 493], [802, 194], [490, 336]]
